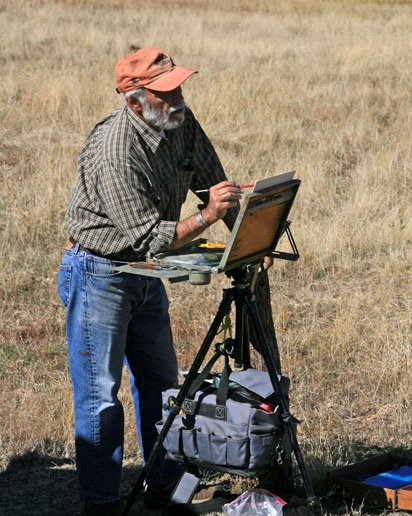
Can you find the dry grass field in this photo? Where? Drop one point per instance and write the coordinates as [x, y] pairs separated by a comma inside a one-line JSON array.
[[321, 87]]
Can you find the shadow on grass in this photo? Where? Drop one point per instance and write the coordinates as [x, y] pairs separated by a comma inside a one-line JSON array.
[[42, 485], [35, 484]]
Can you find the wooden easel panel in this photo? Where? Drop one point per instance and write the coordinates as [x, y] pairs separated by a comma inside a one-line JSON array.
[[255, 233], [260, 224]]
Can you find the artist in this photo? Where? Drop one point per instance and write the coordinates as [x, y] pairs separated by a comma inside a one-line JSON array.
[[134, 172]]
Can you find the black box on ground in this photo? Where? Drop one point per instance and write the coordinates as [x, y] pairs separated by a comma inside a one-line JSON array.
[[382, 481]]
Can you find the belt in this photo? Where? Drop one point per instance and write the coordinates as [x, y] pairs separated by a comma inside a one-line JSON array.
[[72, 242], [123, 256]]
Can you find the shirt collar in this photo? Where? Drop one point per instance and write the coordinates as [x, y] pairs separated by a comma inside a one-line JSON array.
[[150, 136]]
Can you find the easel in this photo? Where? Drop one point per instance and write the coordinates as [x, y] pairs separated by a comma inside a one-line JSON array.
[[276, 204]]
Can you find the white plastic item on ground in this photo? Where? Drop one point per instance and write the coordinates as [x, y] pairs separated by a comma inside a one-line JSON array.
[[255, 502]]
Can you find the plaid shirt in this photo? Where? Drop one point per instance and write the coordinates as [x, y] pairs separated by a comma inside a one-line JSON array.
[[132, 183]]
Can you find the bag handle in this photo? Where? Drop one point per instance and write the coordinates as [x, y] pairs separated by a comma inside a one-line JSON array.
[[223, 389], [203, 375]]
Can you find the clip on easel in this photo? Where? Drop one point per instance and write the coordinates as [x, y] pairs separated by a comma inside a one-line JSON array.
[[261, 222]]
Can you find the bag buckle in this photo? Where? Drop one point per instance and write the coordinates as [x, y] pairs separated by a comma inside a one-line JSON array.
[[279, 452], [220, 412], [188, 406]]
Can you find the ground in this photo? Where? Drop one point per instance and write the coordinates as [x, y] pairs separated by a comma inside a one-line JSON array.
[[34, 485]]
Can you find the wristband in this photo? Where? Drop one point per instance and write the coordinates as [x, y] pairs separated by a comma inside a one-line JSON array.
[[201, 220]]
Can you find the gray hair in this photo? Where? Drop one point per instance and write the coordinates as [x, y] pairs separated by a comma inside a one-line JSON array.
[[137, 94]]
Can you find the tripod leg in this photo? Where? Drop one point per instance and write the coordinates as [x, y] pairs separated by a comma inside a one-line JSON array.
[[262, 296], [242, 355], [286, 416], [223, 310]]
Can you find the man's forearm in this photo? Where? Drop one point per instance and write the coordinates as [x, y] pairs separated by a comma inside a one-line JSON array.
[[186, 231]]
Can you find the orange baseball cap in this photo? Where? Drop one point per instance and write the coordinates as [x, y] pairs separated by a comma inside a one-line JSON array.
[[151, 68]]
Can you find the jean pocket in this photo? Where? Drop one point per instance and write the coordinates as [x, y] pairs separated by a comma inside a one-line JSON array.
[[64, 283], [97, 267]]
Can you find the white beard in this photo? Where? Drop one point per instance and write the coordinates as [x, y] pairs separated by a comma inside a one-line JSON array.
[[172, 119]]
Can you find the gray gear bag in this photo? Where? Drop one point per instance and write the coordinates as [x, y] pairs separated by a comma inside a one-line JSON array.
[[228, 422]]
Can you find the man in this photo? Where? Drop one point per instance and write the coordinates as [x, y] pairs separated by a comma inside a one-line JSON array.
[[134, 172]]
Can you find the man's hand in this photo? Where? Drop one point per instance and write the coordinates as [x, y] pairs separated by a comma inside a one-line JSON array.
[[222, 196], [267, 262]]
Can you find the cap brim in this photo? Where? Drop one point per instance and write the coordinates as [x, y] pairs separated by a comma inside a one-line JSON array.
[[171, 80]]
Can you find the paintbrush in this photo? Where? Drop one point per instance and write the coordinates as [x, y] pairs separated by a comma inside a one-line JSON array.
[[241, 186]]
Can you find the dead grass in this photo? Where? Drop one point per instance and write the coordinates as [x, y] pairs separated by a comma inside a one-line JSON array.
[[321, 87]]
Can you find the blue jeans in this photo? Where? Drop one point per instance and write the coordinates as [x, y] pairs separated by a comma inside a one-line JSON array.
[[115, 318]]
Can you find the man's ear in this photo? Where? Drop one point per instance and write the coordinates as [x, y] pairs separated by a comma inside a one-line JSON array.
[[134, 105], [131, 100]]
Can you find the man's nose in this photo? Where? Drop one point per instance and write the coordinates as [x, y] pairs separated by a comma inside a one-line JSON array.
[[175, 96]]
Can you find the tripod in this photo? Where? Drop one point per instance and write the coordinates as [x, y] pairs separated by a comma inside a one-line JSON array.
[[246, 310]]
